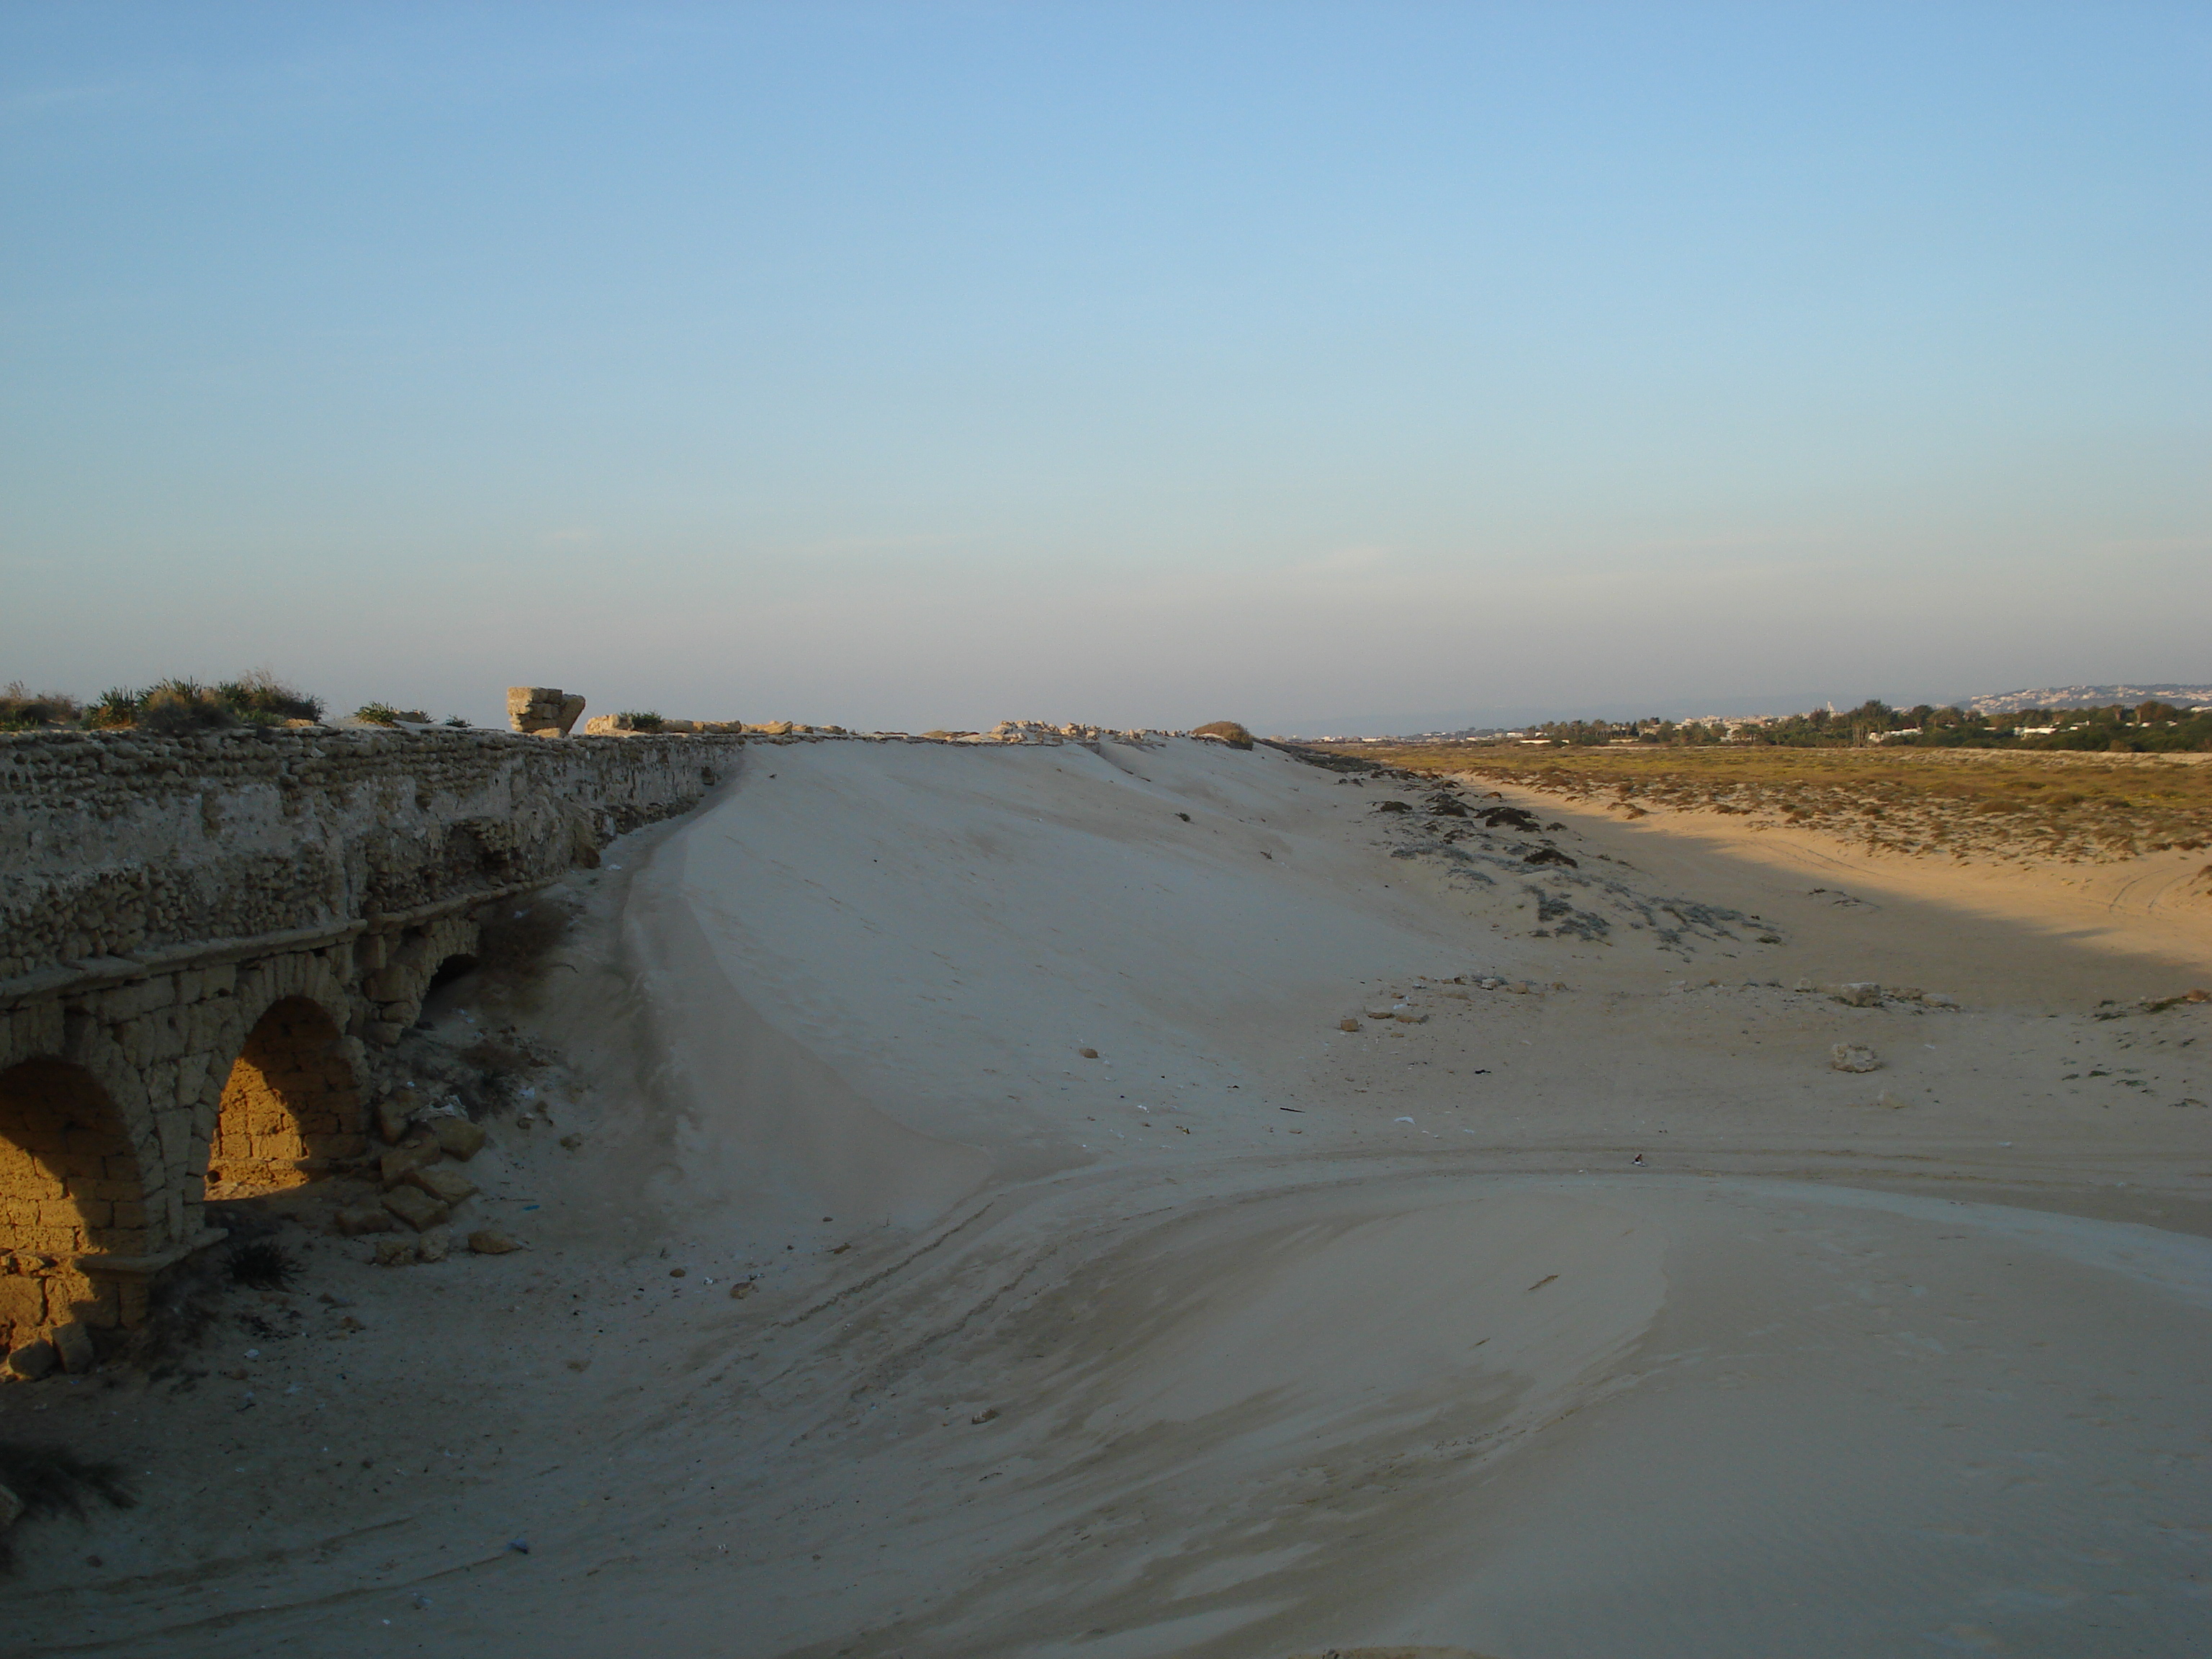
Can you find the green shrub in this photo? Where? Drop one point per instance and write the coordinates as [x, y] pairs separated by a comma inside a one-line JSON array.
[[383, 714], [258, 698], [642, 720], [116, 706], [175, 706], [262, 697]]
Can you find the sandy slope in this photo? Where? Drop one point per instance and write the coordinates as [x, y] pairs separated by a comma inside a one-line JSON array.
[[1250, 1336]]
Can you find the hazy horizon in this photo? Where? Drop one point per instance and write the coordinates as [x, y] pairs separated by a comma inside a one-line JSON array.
[[906, 365]]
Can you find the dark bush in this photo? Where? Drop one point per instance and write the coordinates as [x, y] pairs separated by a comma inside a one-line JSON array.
[[174, 707], [261, 696], [51, 1481], [23, 709], [262, 1265]]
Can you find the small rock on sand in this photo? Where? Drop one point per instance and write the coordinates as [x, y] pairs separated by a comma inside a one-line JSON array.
[[1347, 1026], [489, 1241], [435, 1245], [1853, 1057], [395, 1252], [1859, 993], [358, 1219], [1088, 1053]]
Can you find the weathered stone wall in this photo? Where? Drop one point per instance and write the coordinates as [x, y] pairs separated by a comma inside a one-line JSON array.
[[114, 844], [203, 940]]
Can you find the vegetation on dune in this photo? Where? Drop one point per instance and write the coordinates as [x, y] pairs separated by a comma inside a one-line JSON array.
[[169, 707], [1231, 732], [2070, 806], [23, 709]]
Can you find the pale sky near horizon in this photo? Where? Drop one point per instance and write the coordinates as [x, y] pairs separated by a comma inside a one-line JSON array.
[[919, 365]]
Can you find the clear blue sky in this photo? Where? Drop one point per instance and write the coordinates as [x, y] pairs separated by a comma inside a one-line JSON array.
[[911, 365]]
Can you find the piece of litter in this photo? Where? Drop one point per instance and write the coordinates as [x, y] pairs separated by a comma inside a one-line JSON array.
[[1401, 1120], [520, 1546]]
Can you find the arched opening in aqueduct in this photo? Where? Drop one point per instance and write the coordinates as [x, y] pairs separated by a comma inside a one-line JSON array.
[[69, 1182], [69, 1186], [453, 969], [290, 1108]]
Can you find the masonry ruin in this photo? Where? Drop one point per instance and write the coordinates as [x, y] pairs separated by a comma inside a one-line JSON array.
[[206, 944]]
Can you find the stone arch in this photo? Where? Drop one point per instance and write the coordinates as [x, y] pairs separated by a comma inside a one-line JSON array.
[[291, 1107], [70, 1189], [453, 968]]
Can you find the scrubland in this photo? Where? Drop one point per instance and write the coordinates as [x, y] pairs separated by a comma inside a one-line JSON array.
[[1960, 803]]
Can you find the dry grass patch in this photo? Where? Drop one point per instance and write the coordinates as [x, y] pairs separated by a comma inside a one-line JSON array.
[[2070, 806]]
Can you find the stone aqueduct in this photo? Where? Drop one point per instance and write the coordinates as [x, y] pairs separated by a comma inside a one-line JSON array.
[[206, 942]]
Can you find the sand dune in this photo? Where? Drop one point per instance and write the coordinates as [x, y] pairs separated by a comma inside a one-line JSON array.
[[1589, 1314]]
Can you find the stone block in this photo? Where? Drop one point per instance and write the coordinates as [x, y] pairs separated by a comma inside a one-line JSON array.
[[395, 1165], [393, 1114], [22, 1301], [543, 711], [416, 1207], [458, 1136], [392, 984], [33, 1360], [448, 1185], [73, 1347]]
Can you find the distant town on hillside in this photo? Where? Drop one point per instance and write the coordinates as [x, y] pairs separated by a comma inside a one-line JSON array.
[[2113, 717]]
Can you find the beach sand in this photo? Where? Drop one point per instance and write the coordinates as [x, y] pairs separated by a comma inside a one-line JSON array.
[[1589, 1314]]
